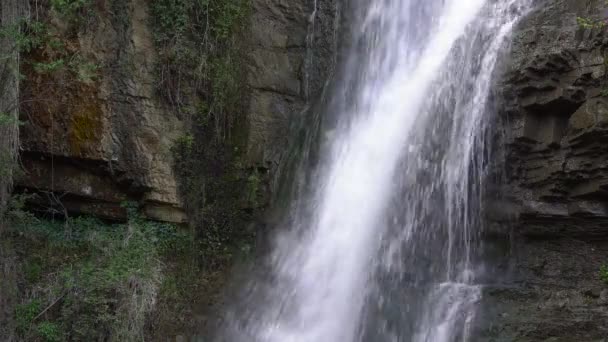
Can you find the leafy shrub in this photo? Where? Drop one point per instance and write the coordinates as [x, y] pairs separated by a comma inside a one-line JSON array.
[[101, 280], [197, 52], [48, 67], [25, 314], [184, 144], [69, 8], [48, 331], [587, 23]]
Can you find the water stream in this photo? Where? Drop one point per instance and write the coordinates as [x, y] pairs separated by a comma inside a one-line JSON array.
[[387, 245]]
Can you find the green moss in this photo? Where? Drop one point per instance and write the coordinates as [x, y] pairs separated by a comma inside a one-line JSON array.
[[184, 144], [592, 23], [85, 126], [7, 162], [32, 270], [8, 120], [253, 187], [604, 274], [587, 23], [84, 70]]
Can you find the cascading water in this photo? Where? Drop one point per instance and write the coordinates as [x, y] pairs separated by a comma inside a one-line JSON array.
[[386, 247]]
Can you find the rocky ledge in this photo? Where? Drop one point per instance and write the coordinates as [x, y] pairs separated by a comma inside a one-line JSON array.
[[556, 131]]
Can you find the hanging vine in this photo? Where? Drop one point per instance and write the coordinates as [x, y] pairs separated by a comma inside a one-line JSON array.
[[13, 14]]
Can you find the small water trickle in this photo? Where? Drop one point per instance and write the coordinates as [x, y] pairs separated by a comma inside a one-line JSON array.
[[310, 41]]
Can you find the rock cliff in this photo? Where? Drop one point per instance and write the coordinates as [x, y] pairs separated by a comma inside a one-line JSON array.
[[555, 117], [185, 110], [104, 134], [101, 134], [93, 141]]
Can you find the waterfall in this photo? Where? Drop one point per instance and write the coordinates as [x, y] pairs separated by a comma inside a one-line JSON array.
[[386, 246]]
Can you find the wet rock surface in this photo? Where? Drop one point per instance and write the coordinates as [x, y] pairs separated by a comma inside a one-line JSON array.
[[557, 176], [292, 49]]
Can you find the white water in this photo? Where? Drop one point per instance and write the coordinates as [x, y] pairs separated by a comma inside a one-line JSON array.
[[324, 269]]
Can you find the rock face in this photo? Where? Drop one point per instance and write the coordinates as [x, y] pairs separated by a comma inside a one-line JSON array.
[[99, 132], [556, 112], [292, 56], [89, 144]]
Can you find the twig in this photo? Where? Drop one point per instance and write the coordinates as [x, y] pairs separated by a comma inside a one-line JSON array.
[[50, 306]]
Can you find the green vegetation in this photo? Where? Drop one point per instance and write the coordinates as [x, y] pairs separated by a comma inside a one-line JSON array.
[[40, 41], [69, 7], [25, 314], [592, 23], [83, 279], [25, 35], [201, 76], [184, 143], [49, 332], [86, 280], [35, 46], [49, 67], [253, 188], [199, 59], [604, 273], [587, 23], [74, 12], [8, 120], [215, 192], [7, 162], [84, 70]]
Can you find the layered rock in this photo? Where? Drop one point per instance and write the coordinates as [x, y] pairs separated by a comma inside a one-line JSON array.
[[89, 144], [556, 116]]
